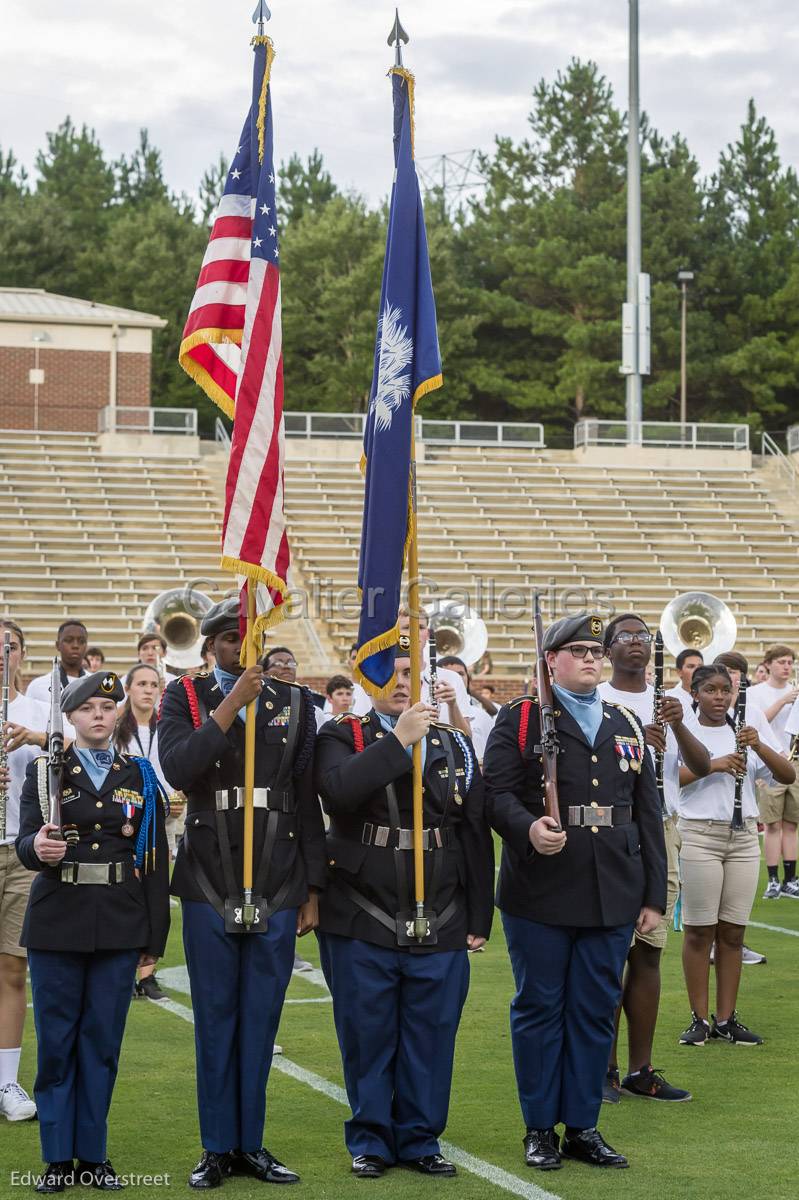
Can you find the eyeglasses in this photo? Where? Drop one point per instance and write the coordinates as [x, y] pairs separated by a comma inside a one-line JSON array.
[[281, 662], [625, 637], [584, 651]]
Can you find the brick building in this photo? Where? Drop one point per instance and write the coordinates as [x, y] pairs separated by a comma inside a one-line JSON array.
[[62, 360]]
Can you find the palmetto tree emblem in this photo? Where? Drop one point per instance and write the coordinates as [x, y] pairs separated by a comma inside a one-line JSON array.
[[393, 376]]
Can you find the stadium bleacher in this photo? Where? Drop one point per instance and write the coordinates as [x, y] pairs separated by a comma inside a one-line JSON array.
[[97, 536]]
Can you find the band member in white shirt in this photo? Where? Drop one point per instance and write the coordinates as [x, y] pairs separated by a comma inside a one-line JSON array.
[[779, 805], [720, 864], [686, 662], [24, 737]]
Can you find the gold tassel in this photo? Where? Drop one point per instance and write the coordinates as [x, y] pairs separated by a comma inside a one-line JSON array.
[[261, 121]]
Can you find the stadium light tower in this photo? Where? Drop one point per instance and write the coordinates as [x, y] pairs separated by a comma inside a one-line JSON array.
[[635, 313]]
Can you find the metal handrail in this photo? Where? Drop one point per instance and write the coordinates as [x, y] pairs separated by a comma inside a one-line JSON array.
[[145, 419], [691, 436], [792, 439], [768, 447], [221, 435], [472, 433]]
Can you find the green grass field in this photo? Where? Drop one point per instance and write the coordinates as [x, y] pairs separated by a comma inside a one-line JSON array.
[[736, 1139]]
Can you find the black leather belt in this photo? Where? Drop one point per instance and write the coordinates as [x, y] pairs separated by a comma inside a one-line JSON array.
[[402, 839], [595, 815], [273, 800], [94, 873]]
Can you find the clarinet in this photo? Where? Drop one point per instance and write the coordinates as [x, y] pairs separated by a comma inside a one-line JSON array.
[[431, 645], [659, 696], [3, 751], [738, 723]]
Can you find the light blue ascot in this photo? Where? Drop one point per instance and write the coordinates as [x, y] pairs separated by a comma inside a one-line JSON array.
[[96, 764], [388, 724], [585, 707], [227, 681]]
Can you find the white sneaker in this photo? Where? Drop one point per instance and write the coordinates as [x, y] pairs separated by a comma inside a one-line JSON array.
[[773, 890], [791, 889], [16, 1104]]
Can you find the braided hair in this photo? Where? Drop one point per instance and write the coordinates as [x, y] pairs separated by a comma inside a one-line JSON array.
[[701, 675]]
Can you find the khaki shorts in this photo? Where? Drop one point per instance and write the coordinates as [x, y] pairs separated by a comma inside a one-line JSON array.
[[657, 937], [720, 871], [779, 803], [15, 884]]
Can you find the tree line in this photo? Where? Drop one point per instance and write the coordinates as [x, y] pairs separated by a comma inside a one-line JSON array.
[[529, 275]]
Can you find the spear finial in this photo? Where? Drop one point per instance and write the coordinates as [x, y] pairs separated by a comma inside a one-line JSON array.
[[396, 39], [262, 13]]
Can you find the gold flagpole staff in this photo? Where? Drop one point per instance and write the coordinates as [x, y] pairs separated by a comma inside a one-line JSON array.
[[422, 929]]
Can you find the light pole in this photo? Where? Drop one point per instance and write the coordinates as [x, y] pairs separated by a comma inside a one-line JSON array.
[[684, 278], [636, 311]]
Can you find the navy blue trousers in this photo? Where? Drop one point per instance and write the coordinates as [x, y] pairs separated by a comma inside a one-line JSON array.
[[238, 984], [396, 1016], [568, 986], [80, 1004]]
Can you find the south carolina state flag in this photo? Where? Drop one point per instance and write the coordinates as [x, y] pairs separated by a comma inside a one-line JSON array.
[[407, 366]]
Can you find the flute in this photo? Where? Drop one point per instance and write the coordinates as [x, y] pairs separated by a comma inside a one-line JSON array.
[[3, 750]]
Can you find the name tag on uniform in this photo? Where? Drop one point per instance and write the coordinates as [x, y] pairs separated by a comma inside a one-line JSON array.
[[68, 795], [128, 796], [282, 717]]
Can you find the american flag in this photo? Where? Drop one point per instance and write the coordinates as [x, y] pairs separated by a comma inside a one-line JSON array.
[[232, 347]]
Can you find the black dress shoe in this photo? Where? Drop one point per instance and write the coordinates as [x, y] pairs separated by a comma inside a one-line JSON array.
[[261, 1165], [55, 1177], [211, 1171], [541, 1149], [368, 1166], [430, 1164], [98, 1175], [588, 1146]]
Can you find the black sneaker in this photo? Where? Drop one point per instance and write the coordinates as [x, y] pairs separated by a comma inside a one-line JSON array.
[[697, 1032], [733, 1031], [649, 1084], [148, 989], [611, 1088]]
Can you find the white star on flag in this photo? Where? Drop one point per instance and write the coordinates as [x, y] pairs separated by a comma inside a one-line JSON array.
[[235, 174], [257, 242], [272, 231], [265, 210]]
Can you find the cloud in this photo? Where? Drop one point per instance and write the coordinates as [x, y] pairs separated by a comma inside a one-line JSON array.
[[181, 68]]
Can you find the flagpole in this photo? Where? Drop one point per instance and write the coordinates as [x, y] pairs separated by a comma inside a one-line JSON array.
[[250, 660], [421, 924], [261, 14]]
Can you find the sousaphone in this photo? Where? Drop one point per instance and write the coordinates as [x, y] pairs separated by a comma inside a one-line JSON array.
[[698, 621]]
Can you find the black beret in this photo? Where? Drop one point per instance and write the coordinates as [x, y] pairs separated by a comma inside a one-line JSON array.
[[221, 617], [586, 627], [101, 683]]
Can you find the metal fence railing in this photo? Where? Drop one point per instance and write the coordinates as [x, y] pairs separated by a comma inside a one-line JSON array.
[[475, 433], [792, 438], [691, 436], [121, 419], [770, 449]]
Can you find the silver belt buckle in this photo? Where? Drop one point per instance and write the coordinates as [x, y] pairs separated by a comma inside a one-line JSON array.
[[599, 816], [381, 835], [93, 873]]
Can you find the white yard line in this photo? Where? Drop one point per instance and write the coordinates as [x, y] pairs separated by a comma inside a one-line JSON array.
[[775, 928], [503, 1180]]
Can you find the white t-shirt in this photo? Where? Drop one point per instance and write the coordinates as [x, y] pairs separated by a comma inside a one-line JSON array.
[[482, 724], [712, 798], [39, 689], [643, 705], [685, 698], [22, 711], [792, 724], [144, 744], [764, 695], [362, 701]]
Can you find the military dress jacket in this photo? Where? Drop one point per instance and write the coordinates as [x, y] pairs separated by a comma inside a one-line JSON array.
[[201, 761], [130, 915], [459, 873], [605, 874]]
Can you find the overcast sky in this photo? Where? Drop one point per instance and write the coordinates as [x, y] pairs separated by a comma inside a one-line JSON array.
[[181, 67]]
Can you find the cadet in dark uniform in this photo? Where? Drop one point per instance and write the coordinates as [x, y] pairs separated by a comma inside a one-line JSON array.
[[571, 896], [397, 1006], [239, 979], [97, 910]]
